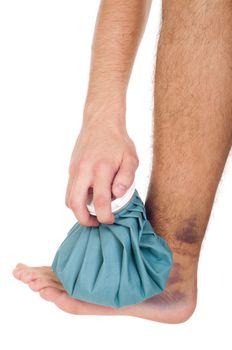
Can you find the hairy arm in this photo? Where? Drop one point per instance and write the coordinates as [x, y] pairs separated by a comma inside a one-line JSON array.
[[118, 31], [104, 157]]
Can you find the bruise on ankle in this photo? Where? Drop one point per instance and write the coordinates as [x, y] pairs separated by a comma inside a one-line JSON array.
[[183, 235], [188, 232], [175, 274], [192, 252], [166, 298], [186, 239]]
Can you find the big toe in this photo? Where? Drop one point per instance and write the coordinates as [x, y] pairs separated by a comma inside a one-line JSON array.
[[62, 300], [51, 294]]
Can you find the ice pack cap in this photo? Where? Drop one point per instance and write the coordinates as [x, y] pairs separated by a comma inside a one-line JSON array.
[[116, 204]]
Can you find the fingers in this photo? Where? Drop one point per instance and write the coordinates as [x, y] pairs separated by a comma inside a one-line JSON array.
[[105, 183], [77, 193], [102, 192], [76, 198], [125, 176]]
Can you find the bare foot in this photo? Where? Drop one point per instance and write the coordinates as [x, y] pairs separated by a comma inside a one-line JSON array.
[[171, 306]]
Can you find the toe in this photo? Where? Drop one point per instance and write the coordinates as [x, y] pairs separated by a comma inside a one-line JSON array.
[[27, 276], [16, 274], [23, 275], [50, 294], [38, 284], [46, 271], [43, 282], [20, 266], [61, 299]]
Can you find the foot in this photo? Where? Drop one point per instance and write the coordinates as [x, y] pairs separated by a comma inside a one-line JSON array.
[[174, 305]]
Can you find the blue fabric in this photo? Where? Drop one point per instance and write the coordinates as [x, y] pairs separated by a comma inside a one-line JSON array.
[[114, 265]]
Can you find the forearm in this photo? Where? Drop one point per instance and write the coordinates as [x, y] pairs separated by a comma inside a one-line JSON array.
[[119, 28]]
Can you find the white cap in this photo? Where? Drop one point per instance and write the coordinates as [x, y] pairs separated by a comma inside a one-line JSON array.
[[116, 204]]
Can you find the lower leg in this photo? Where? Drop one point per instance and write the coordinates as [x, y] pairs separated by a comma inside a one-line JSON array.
[[192, 134], [192, 138]]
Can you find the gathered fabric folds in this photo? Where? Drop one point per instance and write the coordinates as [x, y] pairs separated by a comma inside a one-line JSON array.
[[114, 265]]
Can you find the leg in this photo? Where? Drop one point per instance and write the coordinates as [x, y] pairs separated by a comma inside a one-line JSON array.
[[192, 139], [192, 133]]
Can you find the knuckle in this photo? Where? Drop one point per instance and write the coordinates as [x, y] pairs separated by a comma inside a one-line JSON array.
[[72, 203], [77, 167], [100, 200], [134, 160], [81, 165], [101, 165]]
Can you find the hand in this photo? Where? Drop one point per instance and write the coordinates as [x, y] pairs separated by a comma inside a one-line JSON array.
[[104, 158]]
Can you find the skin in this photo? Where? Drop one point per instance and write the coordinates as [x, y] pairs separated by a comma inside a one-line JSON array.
[[116, 39], [192, 139]]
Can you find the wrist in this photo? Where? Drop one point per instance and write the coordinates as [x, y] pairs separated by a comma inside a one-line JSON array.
[[108, 109], [115, 121], [107, 97]]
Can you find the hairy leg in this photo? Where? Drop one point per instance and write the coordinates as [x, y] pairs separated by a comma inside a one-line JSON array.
[[192, 131], [192, 139]]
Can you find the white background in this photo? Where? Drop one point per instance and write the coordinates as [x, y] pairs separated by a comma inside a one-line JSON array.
[[44, 65]]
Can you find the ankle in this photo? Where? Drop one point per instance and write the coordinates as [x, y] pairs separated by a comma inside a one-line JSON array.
[[171, 306]]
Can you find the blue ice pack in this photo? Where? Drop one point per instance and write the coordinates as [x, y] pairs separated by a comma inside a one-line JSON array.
[[117, 264]]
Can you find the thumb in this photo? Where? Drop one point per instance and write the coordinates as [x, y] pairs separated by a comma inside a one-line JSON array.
[[124, 178]]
